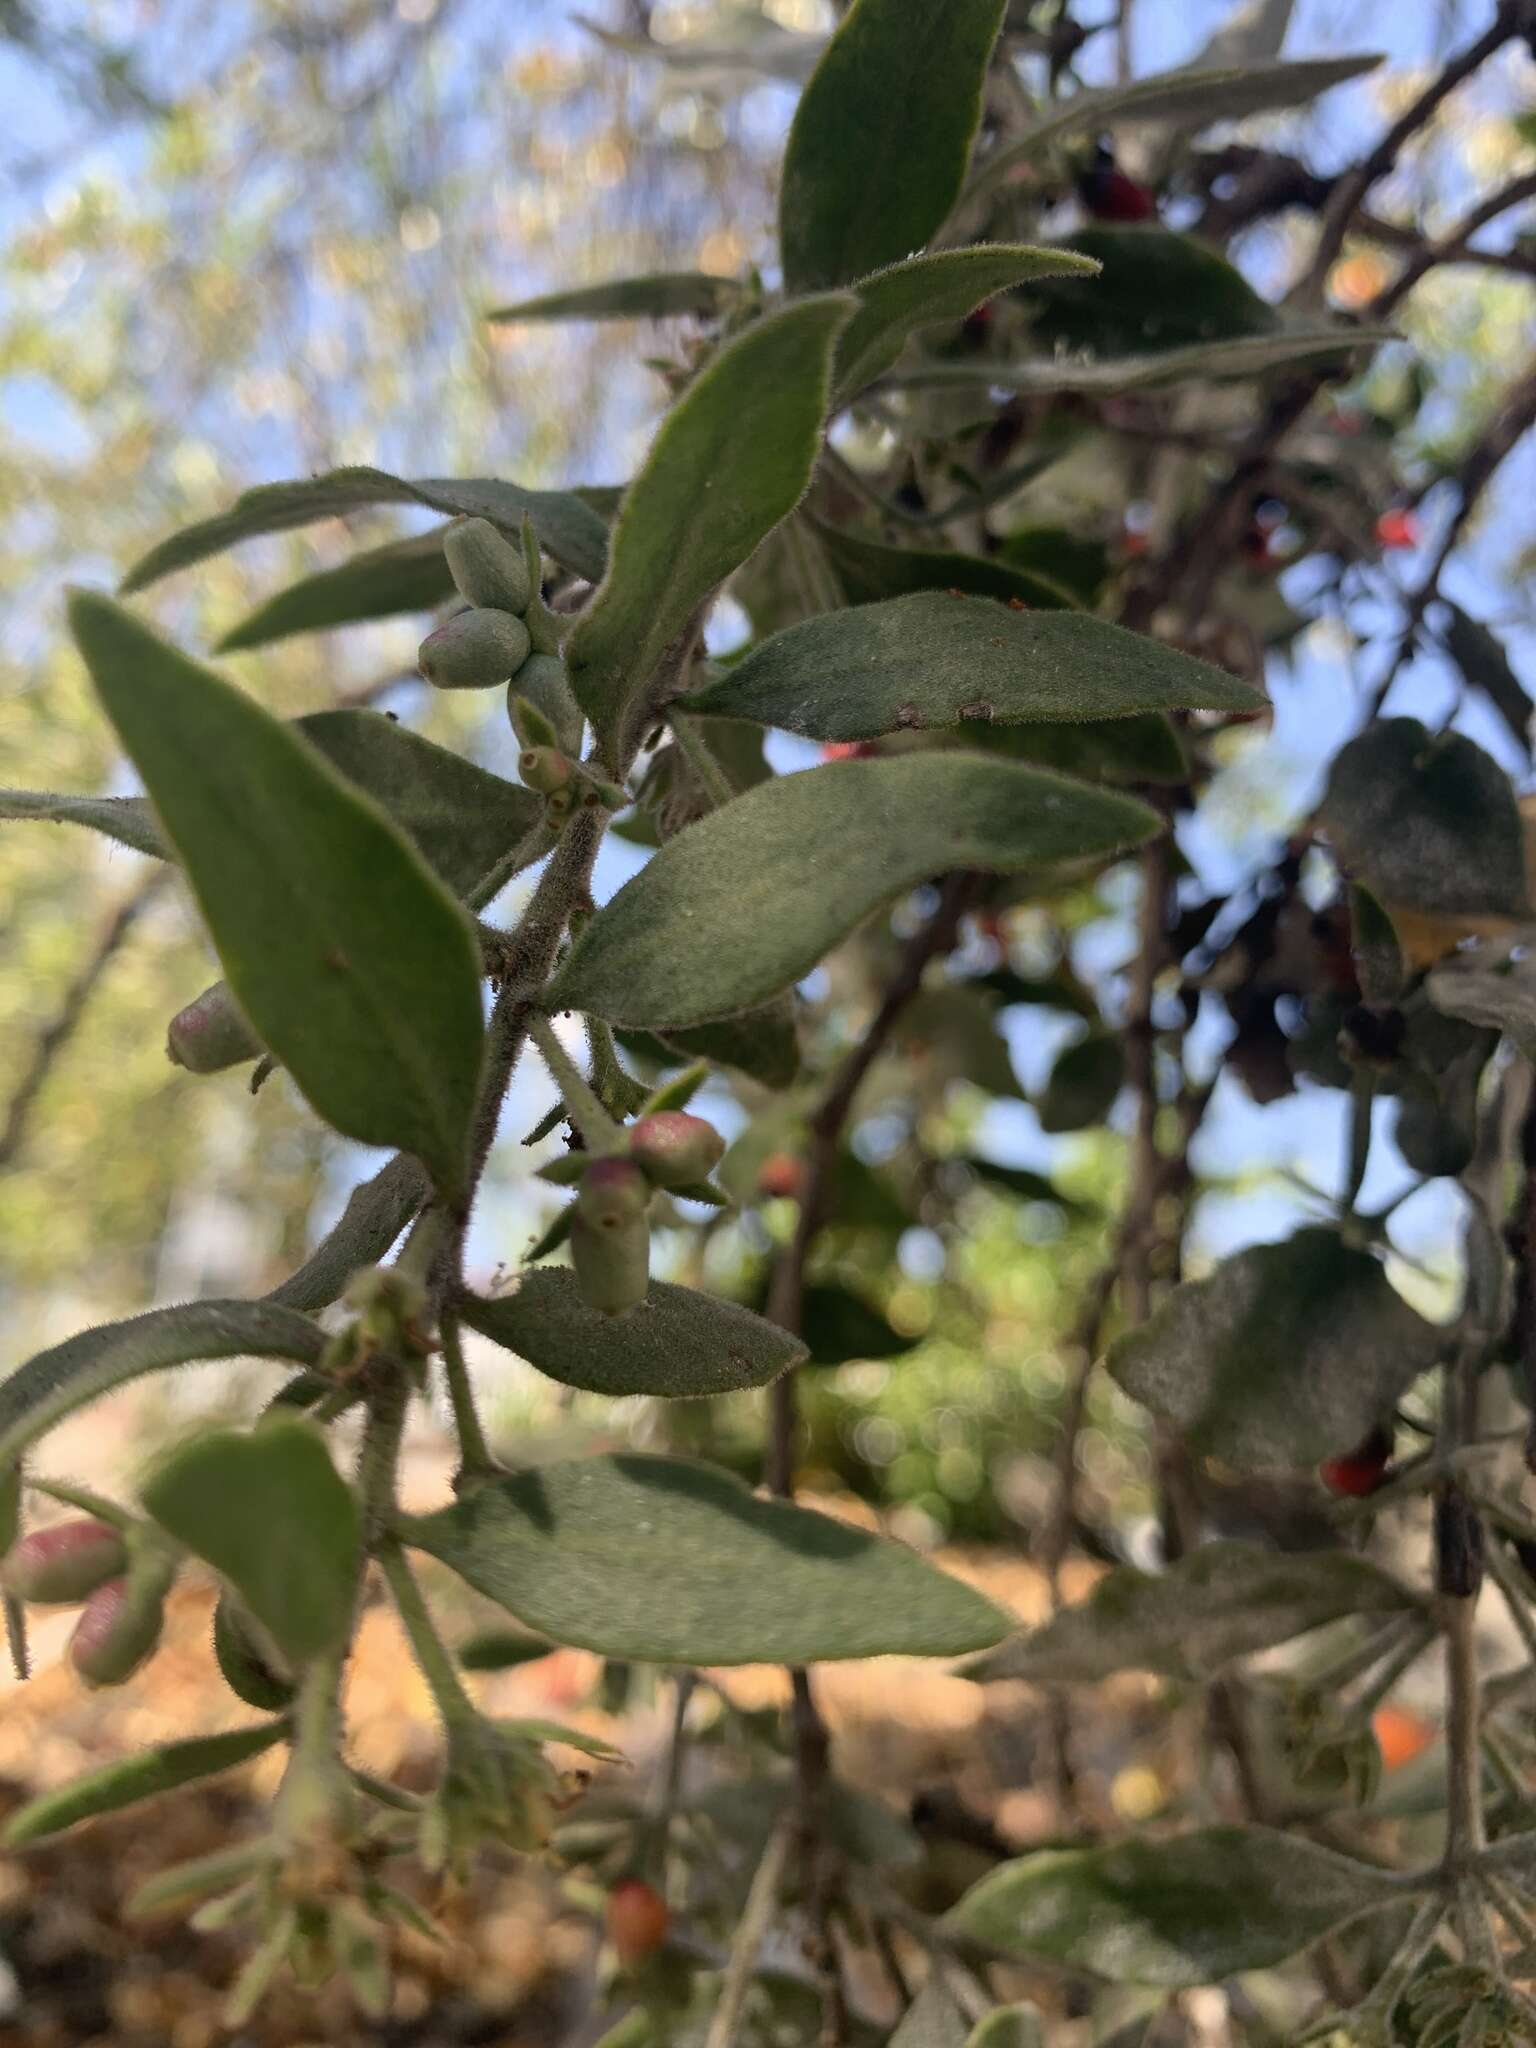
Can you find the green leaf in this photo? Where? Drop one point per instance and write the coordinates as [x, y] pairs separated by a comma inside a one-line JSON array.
[[1159, 290], [377, 1211], [73, 1374], [664, 295], [1024, 1182], [502, 1649], [838, 1325], [882, 136], [677, 1563], [137, 1778], [127, 819], [269, 1511], [1222, 1602], [898, 302], [1190, 1911], [1010, 2026], [1426, 822], [763, 1043], [1480, 656], [933, 2020], [408, 575], [929, 660], [461, 818], [1192, 95], [745, 902], [678, 1341], [1502, 999], [1195, 362], [1070, 561], [1083, 1084], [1373, 942], [732, 457], [567, 527], [1287, 1354], [869, 570], [352, 962], [1144, 748]]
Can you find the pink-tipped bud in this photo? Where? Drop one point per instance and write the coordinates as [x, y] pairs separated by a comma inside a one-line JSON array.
[[672, 1148], [545, 769], [613, 1192], [474, 650], [61, 1566], [210, 1034], [612, 1266], [117, 1633]]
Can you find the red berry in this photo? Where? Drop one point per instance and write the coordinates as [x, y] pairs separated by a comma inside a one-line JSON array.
[[637, 1920], [1398, 528], [780, 1174], [1360, 1472], [1109, 194], [848, 750]]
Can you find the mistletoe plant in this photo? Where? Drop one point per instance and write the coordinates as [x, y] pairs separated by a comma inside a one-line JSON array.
[[993, 741]]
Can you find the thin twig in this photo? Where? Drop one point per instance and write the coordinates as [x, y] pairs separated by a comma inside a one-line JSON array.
[[751, 1931]]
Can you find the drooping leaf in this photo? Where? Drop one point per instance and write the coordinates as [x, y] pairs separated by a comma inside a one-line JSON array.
[[73, 1374], [745, 902], [664, 295], [377, 1211], [1427, 822], [127, 819], [882, 136], [932, 2020], [678, 1341], [732, 457], [869, 570], [1084, 1081], [135, 1778], [1224, 1601], [931, 659], [1195, 362], [1504, 1000], [897, 302], [353, 963], [1159, 290], [1194, 95], [1189, 1911], [409, 575], [566, 526], [677, 1563], [1480, 655], [1287, 1354], [269, 1511]]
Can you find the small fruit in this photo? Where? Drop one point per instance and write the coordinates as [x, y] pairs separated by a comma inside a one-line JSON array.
[[612, 1193], [636, 1919], [1109, 194], [61, 1566], [488, 569], [542, 682], [672, 1148], [612, 1265], [118, 1631], [781, 1174], [474, 650], [1398, 528], [1360, 1472], [545, 769], [210, 1034]]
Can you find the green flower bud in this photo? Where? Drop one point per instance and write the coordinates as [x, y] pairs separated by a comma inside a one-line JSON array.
[[543, 683], [474, 650], [672, 1148], [612, 1266], [488, 569], [118, 1631], [251, 1667], [61, 1566], [210, 1034], [559, 806], [612, 1193], [545, 769]]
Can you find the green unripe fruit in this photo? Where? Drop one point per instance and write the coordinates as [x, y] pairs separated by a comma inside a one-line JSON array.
[[118, 1632], [210, 1034], [474, 650], [249, 1668], [542, 681], [612, 1266], [61, 1566], [612, 1193], [487, 567], [672, 1148], [545, 769]]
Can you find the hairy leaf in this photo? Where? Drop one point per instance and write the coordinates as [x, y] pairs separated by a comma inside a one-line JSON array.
[[127, 819], [732, 457], [408, 575], [1144, 748], [762, 1043], [1195, 362], [269, 1511], [678, 1341], [353, 963], [1287, 1354], [897, 302], [1427, 822], [1158, 290], [1224, 1601], [665, 295], [377, 1211], [745, 902], [1189, 1911], [136, 1778], [566, 526], [869, 570], [73, 1374], [882, 136], [677, 1563], [931, 659]]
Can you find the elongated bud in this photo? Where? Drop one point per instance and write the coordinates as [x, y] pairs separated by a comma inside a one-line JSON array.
[[488, 569], [474, 651], [545, 769], [119, 1631], [543, 683], [61, 1566], [613, 1192], [613, 1265], [210, 1034], [250, 1668], [672, 1148]]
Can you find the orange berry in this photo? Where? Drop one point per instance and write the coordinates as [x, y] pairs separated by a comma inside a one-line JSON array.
[[637, 1920]]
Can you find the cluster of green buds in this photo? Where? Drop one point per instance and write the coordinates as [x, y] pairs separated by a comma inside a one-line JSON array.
[[610, 1234], [549, 765], [116, 1569], [508, 633]]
